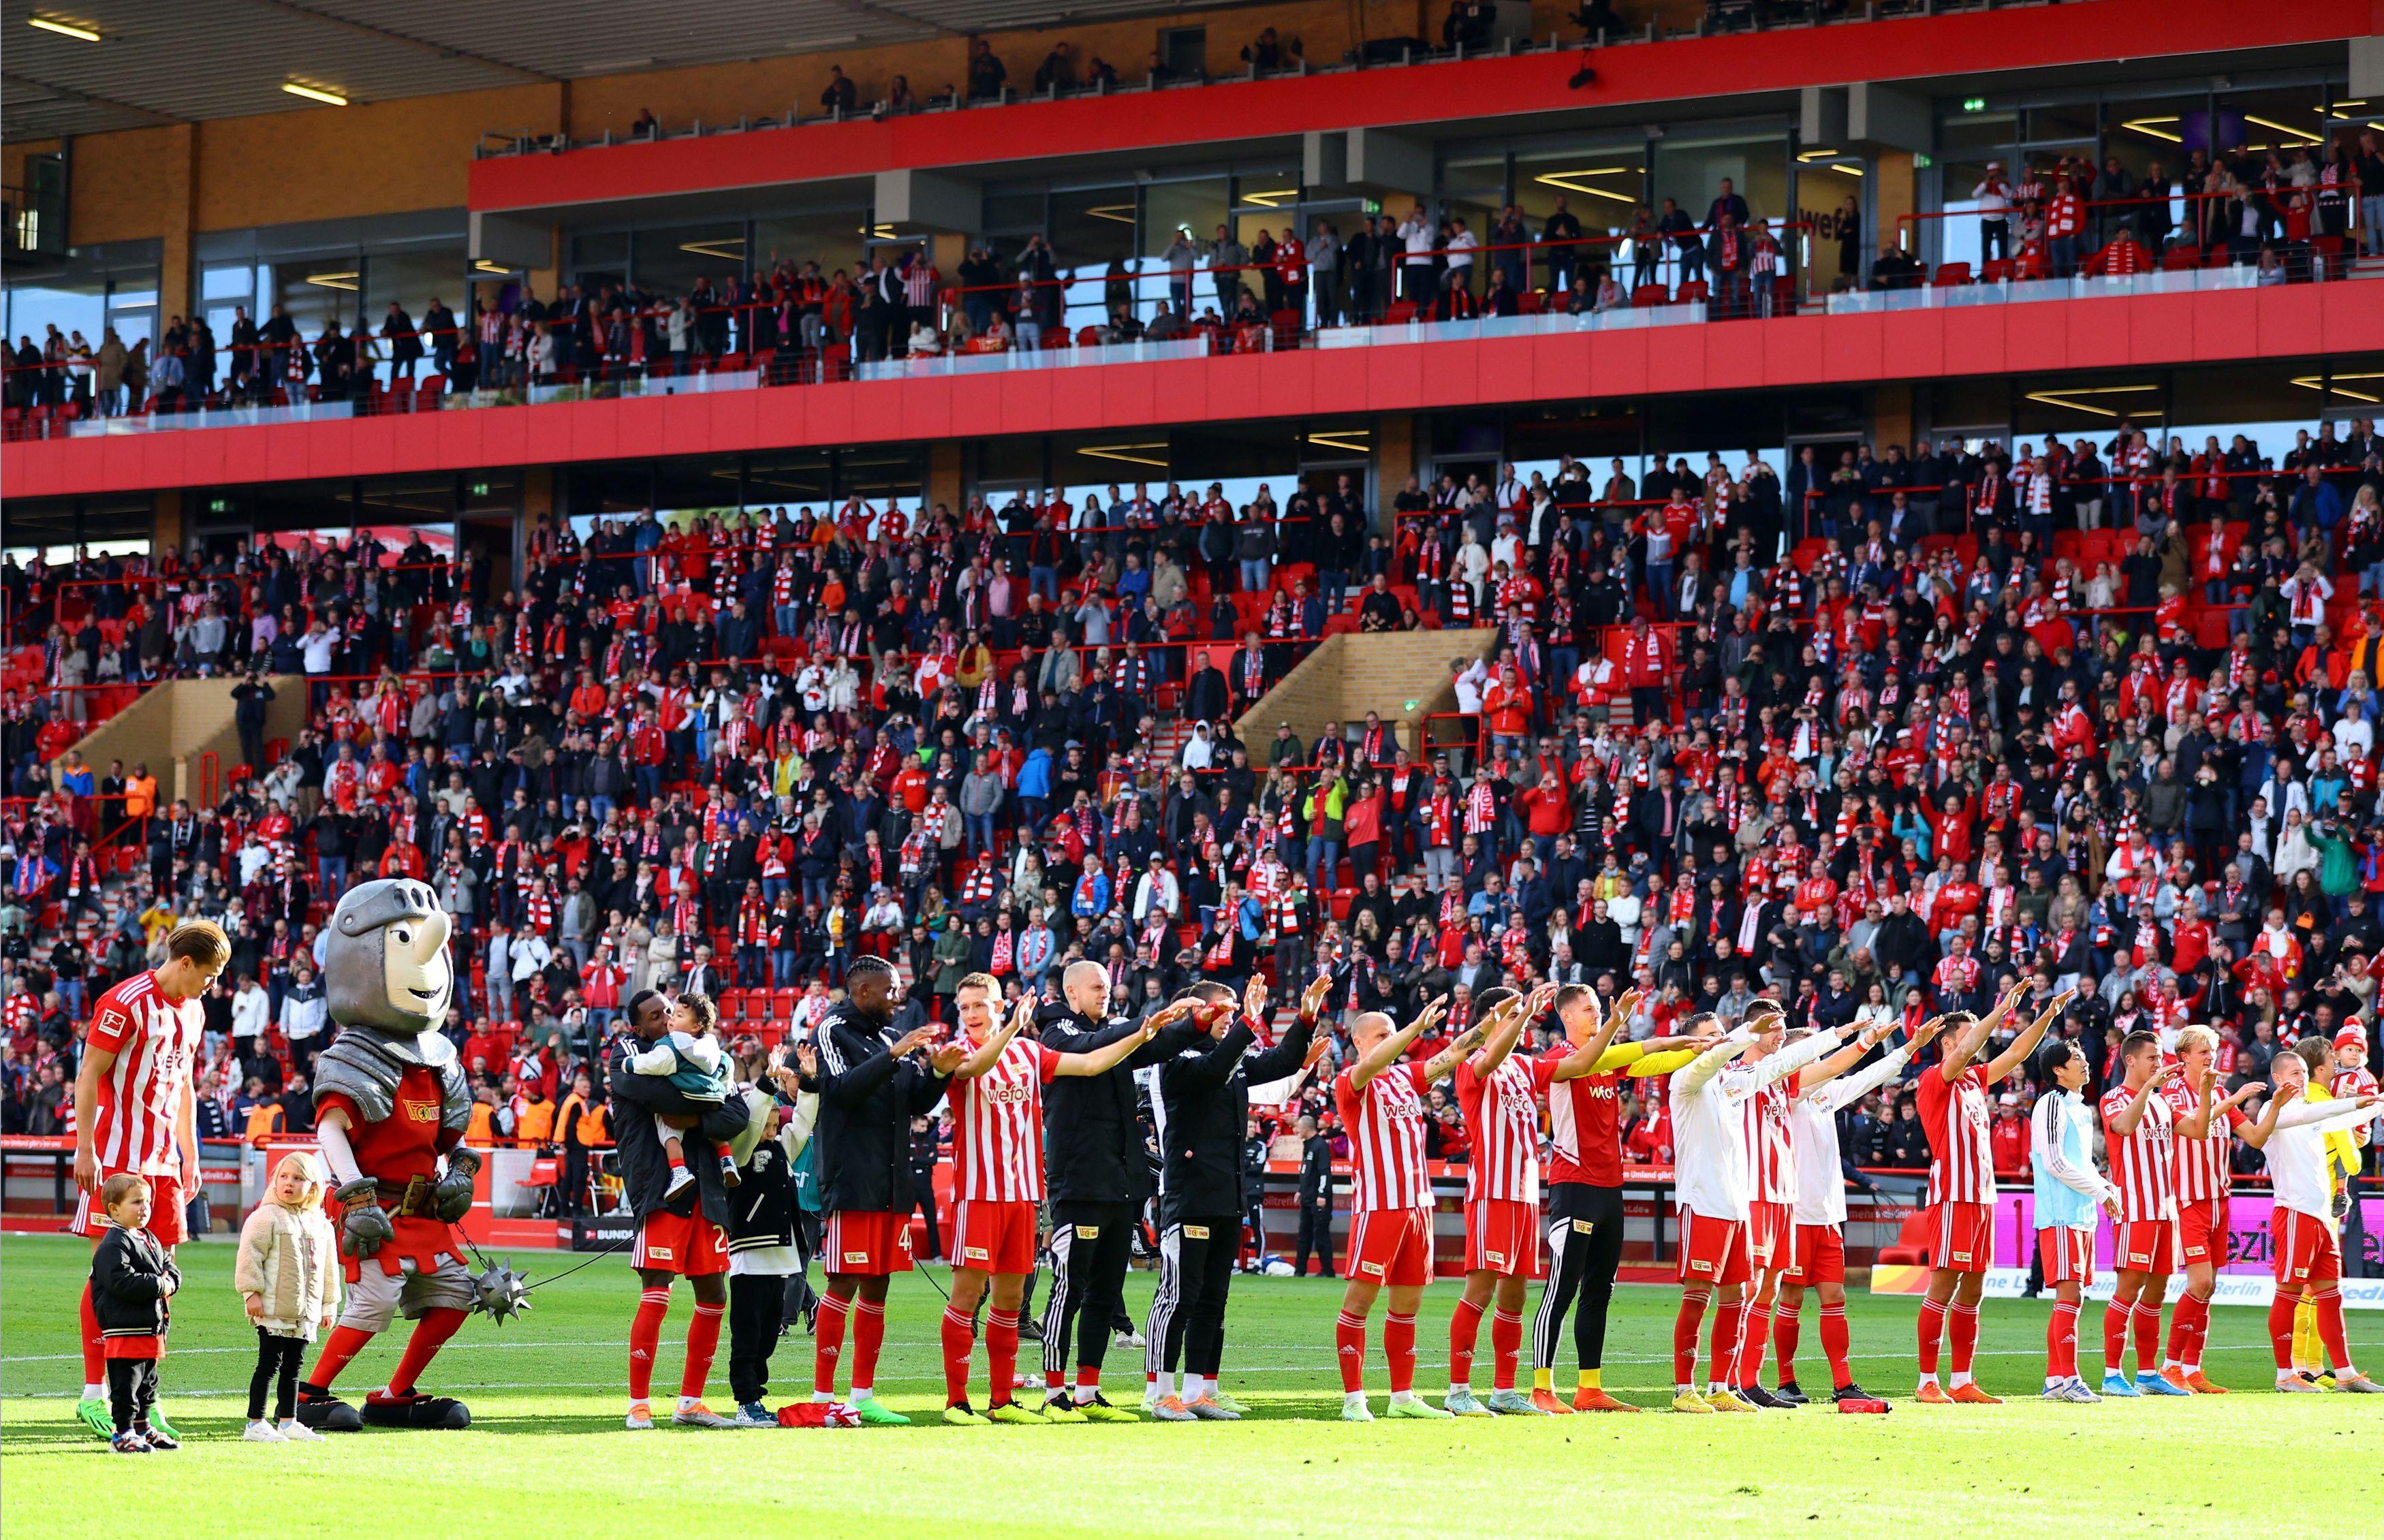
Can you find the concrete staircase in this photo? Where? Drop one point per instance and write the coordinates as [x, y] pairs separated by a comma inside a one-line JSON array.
[[175, 725], [1405, 675]]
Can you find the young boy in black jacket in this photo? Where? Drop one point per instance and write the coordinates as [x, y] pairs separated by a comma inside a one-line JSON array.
[[132, 1277], [762, 1249]]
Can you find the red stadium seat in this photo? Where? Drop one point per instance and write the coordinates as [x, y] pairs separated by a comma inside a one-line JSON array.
[[1649, 294], [1951, 275]]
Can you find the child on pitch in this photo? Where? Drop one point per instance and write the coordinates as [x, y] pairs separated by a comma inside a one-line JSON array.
[[131, 1278], [289, 1277], [762, 1250], [689, 1054]]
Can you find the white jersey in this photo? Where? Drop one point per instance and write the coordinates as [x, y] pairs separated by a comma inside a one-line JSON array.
[[2296, 1152], [1813, 1117], [1709, 1156]]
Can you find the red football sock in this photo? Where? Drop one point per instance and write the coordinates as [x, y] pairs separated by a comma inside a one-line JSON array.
[[1754, 1335], [344, 1343], [1001, 1353], [1464, 1327], [1786, 1326], [95, 1357], [960, 1340], [2061, 1342], [1730, 1316], [1088, 1377], [430, 1334], [827, 1343], [1962, 1329], [1932, 1332], [1398, 1350], [1350, 1347], [2186, 1324], [2114, 1336], [671, 1153], [702, 1344], [645, 1336], [2330, 1328], [1836, 1344], [2280, 1328], [1685, 1334], [1507, 1344], [2148, 1337], [868, 1336]]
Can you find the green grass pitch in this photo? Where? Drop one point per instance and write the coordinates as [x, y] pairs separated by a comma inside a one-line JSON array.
[[547, 1453]]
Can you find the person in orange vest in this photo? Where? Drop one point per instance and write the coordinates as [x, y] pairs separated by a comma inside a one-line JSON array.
[[264, 1119], [533, 1116], [482, 1129], [585, 1128]]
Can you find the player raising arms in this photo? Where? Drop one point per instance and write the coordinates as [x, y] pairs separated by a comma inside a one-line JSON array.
[[1203, 1112], [997, 1098], [1710, 1168], [1500, 1096], [1380, 1097], [2139, 1125], [2069, 1190], [869, 1086], [1953, 1097], [2308, 1257], [1585, 1190], [1819, 1260], [135, 1114], [2205, 1141]]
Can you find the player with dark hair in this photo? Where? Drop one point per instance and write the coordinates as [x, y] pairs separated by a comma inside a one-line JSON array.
[[2139, 1128], [870, 1084]]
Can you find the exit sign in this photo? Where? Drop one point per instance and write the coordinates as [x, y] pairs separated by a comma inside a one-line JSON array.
[[220, 504], [478, 489]]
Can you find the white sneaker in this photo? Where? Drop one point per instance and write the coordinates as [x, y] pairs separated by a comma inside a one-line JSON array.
[[1129, 1339], [295, 1431], [681, 1179], [261, 1432]]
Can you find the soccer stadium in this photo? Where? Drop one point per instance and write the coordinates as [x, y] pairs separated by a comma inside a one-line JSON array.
[[739, 748]]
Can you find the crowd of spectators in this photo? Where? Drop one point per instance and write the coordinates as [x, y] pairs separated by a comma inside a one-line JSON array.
[[2287, 213], [1880, 738]]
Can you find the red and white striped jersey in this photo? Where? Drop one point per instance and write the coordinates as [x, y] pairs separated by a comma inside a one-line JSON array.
[[2202, 1172], [1961, 1149], [1502, 1113], [2144, 1164], [997, 1125], [1770, 1143], [1385, 1118], [155, 1042]]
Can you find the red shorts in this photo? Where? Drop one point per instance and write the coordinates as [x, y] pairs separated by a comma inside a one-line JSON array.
[[689, 1245], [1770, 1236], [1965, 1236], [1820, 1256], [2307, 1250], [1502, 1236], [867, 1242], [165, 1210], [1712, 1250], [2069, 1255], [2145, 1246], [993, 1236], [1392, 1247], [2201, 1232]]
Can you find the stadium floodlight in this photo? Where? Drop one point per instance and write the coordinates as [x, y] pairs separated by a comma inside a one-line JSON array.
[[315, 93], [64, 29]]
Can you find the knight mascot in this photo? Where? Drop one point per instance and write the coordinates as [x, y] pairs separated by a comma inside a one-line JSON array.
[[392, 1106]]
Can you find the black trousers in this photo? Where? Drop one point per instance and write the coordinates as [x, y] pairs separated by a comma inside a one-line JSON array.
[[1090, 1246], [1187, 1314], [1316, 1235], [131, 1391], [276, 1365], [757, 1314], [923, 1197], [1585, 1251]]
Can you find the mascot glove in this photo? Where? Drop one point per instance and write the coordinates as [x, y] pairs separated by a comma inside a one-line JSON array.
[[364, 1224], [454, 1194]]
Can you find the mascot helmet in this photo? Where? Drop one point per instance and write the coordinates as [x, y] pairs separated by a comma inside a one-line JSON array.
[[385, 961]]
